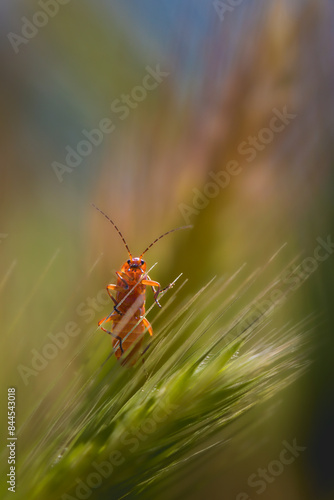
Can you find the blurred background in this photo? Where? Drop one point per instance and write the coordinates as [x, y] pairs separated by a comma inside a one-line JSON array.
[[137, 107]]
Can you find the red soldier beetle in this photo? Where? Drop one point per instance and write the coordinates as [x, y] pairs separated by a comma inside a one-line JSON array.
[[128, 318]]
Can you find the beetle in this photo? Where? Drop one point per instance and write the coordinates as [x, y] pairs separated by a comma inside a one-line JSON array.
[[128, 317]]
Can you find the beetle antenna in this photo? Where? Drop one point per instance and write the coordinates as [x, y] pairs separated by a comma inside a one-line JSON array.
[[168, 232], [119, 232]]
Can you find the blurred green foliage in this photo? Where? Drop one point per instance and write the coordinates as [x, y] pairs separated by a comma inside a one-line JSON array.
[[225, 78]]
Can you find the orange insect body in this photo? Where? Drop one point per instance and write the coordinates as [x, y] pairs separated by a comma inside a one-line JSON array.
[[128, 318]]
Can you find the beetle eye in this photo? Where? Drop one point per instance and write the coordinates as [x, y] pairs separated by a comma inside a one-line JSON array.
[[142, 262], [129, 261]]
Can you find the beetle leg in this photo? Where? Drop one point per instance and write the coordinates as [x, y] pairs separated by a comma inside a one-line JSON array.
[[107, 318], [123, 281], [148, 326], [117, 337], [146, 348], [167, 287], [155, 294], [156, 290], [153, 284], [117, 288], [112, 287], [120, 342]]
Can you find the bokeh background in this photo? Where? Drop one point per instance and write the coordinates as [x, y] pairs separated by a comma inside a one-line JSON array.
[[229, 65]]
